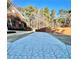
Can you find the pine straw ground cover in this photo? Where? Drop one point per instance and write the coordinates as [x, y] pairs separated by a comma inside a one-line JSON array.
[[63, 34]]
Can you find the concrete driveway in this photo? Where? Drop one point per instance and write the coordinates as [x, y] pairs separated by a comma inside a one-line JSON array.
[[39, 45]]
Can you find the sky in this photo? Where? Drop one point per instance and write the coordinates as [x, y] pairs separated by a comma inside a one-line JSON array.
[[51, 4]]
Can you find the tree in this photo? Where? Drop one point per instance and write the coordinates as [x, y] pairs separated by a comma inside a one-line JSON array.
[[67, 17], [29, 11], [41, 11], [61, 12], [61, 21], [53, 13], [66, 14], [46, 13], [54, 22], [8, 3]]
